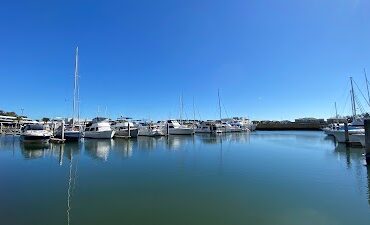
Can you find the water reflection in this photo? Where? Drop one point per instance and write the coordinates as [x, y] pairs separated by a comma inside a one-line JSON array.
[[217, 165], [34, 150], [368, 184], [98, 149], [124, 147]]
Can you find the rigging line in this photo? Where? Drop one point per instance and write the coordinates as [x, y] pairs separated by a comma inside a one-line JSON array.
[[360, 107], [200, 118], [345, 104], [361, 93], [345, 89], [224, 109]]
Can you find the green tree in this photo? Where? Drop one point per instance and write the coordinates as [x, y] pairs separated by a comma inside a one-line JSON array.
[[45, 119]]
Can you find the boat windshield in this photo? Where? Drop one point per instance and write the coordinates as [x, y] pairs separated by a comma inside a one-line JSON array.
[[35, 127]]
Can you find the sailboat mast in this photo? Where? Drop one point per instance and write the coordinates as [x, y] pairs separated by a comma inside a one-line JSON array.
[[78, 90], [353, 99], [193, 113], [336, 111], [181, 105], [75, 88], [219, 103]]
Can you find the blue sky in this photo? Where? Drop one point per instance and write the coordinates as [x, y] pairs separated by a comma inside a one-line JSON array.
[[270, 59]]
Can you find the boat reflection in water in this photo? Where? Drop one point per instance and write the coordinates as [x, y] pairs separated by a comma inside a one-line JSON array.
[[123, 146], [34, 150], [98, 148]]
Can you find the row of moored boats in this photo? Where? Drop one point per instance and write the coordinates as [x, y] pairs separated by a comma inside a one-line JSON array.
[[103, 128]]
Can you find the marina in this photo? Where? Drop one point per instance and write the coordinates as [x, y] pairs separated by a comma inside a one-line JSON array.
[[185, 113], [269, 177]]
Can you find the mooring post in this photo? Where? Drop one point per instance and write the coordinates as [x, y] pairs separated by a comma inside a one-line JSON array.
[[1, 128], [53, 126], [129, 129], [167, 129], [346, 133], [63, 129], [367, 140]]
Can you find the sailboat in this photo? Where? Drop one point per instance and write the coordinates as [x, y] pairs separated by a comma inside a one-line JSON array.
[[356, 127], [73, 132]]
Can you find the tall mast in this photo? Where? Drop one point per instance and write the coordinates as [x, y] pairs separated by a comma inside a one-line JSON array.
[[353, 99], [75, 88], [193, 113], [78, 91], [181, 108], [219, 102], [336, 111], [367, 86]]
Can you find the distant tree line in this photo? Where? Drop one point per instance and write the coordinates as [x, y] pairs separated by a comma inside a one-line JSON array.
[[4, 113]]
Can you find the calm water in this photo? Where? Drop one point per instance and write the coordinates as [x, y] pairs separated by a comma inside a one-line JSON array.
[[263, 178]]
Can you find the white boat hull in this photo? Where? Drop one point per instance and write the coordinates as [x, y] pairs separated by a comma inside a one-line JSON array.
[[107, 134], [358, 138], [35, 136], [150, 132], [341, 137], [179, 131]]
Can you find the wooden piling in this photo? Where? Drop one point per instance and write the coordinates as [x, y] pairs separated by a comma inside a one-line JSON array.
[[367, 140], [167, 129], [63, 129], [128, 129], [1, 128]]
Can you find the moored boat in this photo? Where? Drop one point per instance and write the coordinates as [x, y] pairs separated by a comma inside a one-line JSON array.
[[35, 133], [99, 129], [124, 128]]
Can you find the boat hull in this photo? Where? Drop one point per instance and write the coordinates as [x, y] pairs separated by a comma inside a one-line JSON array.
[[358, 138], [341, 137], [180, 131], [108, 134], [124, 133], [35, 138], [151, 133], [71, 135]]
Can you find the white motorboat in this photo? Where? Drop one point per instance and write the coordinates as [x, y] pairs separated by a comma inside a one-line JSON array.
[[122, 126], [71, 132], [175, 128], [210, 127], [243, 123], [229, 128], [150, 130], [340, 136], [35, 133], [99, 128]]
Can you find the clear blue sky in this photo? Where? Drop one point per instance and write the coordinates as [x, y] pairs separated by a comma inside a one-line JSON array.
[[271, 59]]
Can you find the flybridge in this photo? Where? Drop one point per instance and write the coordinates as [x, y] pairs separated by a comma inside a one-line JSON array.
[[13, 120]]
